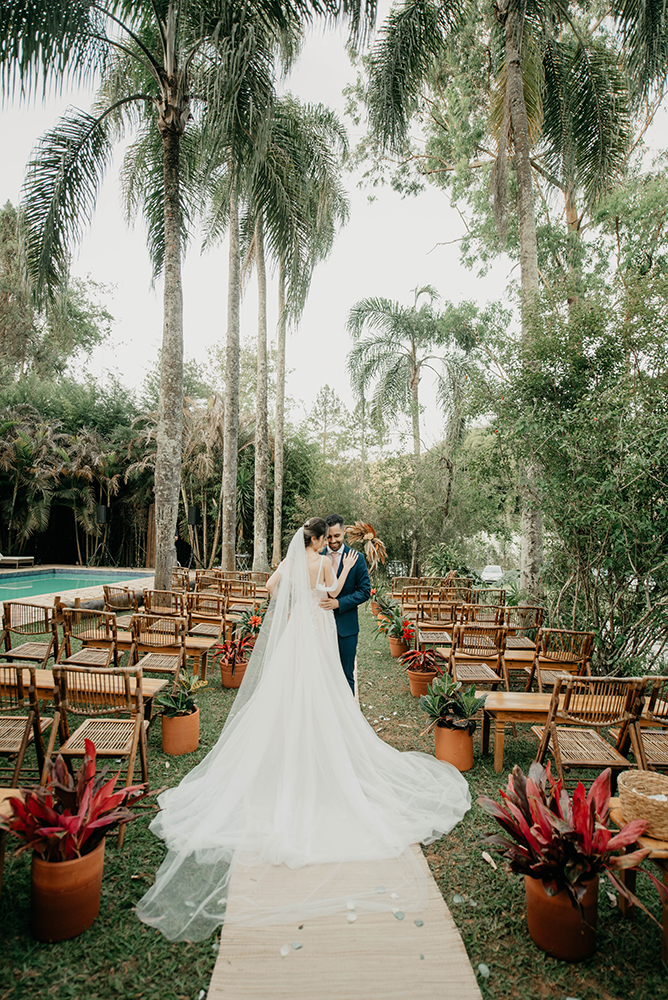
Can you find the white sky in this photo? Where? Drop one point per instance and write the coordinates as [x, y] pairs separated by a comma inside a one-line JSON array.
[[388, 248]]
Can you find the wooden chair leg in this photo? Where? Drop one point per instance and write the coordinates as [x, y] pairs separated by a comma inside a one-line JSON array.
[[55, 726], [22, 749]]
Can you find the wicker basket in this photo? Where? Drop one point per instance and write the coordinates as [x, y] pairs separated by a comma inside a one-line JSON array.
[[634, 787]]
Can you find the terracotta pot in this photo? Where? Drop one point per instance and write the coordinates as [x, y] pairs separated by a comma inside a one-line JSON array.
[[556, 926], [418, 680], [455, 746], [375, 608], [226, 673], [397, 647], [65, 895], [180, 733]]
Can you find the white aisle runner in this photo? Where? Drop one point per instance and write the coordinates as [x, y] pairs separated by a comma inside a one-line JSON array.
[[374, 956]]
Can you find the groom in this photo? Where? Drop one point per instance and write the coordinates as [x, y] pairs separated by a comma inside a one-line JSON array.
[[355, 591]]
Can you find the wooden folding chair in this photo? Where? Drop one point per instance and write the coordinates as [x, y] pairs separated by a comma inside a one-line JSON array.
[[119, 600], [18, 731], [206, 614], [650, 745], [579, 708], [208, 580], [164, 602], [489, 595], [399, 582], [476, 656], [160, 641], [560, 652], [96, 695], [96, 630], [20, 620], [481, 614], [180, 579]]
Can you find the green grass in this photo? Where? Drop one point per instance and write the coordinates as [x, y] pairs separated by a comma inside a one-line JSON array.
[[120, 957]]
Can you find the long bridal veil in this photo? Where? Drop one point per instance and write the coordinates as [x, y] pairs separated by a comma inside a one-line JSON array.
[[300, 809]]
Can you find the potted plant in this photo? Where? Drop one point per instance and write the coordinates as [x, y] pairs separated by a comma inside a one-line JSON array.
[[233, 660], [64, 824], [561, 845], [452, 710], [180, 716], [422, 665], [373, 603], [250, 623], [399, 630]]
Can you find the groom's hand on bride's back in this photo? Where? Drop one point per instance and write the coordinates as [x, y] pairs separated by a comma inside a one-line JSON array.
[[329, 603]]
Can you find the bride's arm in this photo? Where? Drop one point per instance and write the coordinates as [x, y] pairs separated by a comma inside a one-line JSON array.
[[274, 580], [349, 561]]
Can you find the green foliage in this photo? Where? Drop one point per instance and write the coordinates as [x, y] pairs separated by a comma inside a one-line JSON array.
[[448, 704], [181, 699], [43, 342]]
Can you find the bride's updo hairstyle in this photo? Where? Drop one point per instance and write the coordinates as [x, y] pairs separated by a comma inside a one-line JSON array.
[[315, 527]]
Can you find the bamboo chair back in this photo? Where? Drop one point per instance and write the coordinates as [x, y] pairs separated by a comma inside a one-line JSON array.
[[119, 599], [438, 613], [656, 708], [489, 595], [180, 579], [490, 614], [596, 702], [206, 606], [158, 630], [208, 580], [29, 620], [399, 582], [524, 619], [89, 691], [239, 588], [564, 648], [85, 624], [480, 641], [164, 602], [456, 593]]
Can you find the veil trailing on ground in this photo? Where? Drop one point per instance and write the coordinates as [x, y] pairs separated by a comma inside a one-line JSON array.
[[300, 809]]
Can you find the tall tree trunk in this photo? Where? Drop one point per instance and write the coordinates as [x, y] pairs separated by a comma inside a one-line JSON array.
[[280, 419], [415, 410], [260, 562], [363, 449], [231, 425], [169, 430], [532, 520]]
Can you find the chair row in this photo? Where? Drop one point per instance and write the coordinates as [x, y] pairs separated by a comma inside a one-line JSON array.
[[485, 655], [102, 705]]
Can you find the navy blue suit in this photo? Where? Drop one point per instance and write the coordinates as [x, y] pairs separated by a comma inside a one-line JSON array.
[[355, 591]]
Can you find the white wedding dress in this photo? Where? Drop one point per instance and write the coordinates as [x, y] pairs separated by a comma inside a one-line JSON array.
[[298, 786]]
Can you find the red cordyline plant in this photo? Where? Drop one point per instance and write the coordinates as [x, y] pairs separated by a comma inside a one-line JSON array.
[[234, 650], [68, 817], [563, 842], [424, 660]]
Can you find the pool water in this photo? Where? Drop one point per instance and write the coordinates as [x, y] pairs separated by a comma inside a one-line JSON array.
[[54, 581]]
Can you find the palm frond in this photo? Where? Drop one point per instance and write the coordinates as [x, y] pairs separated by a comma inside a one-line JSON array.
[[59, 192], [414, 34]]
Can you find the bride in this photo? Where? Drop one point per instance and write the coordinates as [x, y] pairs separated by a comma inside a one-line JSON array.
[[300, 809]]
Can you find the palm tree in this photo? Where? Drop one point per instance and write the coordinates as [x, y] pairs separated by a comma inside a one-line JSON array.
[[215, 51], [393, 359], [292, 205]]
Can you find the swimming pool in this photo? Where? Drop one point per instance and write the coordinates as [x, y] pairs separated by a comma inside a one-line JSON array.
[[30, 583]]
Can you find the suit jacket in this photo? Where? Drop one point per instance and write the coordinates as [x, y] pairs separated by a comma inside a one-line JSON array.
[[355, 591]]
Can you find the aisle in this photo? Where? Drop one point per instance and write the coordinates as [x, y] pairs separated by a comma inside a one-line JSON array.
[[376, 956]]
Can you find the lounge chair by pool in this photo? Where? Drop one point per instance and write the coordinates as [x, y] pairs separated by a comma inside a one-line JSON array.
[[16, 561]]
